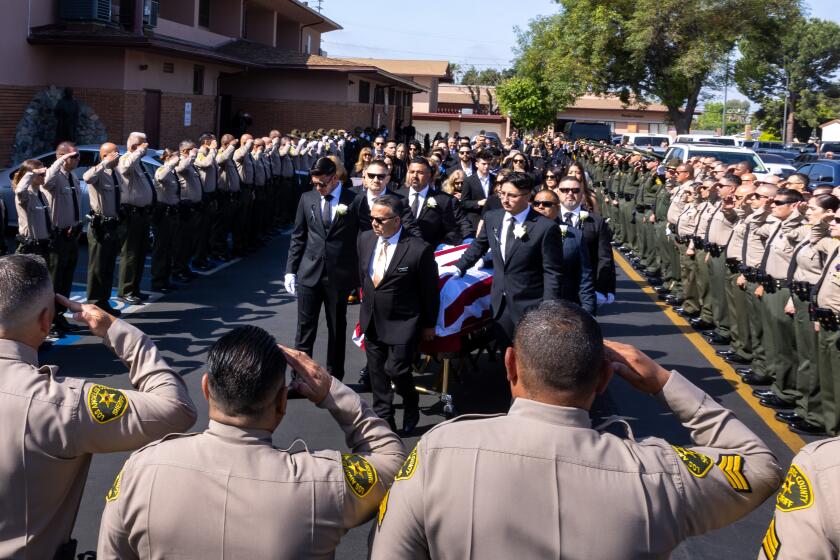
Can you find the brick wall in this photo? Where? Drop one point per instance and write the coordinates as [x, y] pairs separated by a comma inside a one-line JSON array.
[[172, 129], [305, 115], [13, 101]]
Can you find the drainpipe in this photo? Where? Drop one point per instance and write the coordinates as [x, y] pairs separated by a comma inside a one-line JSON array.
[[300, 37]]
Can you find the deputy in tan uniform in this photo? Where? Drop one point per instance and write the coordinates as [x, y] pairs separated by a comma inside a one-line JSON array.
[[189, 218], [228, 492], [245, 168], [228, 199], [684, 178], [805, 524], [34, 223], [708, 207], [138, 198], [63, 196], [104, 239], [686, 230], [208, 173], [165, 220], [719, 232], [52, 425], [579, 493]]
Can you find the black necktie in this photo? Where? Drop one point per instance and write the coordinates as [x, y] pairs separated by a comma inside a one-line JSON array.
[[509, 237], [72, 180], [117, 194], [46, 211], [415, 205], [326, 212], [568, 218]]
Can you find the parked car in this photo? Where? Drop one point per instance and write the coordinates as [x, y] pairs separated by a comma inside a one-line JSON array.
[[777, 148], [587, 131], [652, 142], [778, 165], [706, 139], [617, 139], [830, 147], [822, 172], [88, 157], [727, 154]]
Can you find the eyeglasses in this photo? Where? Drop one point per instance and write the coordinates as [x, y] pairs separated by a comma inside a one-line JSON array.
[[381, 221], [322, 183], [544, 204], [569, 191], [378, 143], [782, 202], [379, 176]]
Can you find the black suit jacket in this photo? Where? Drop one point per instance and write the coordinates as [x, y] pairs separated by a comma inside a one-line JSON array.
[[456, 165], [471, 194], [408, 222], [314, 252], [445, 222], [534, 270], [407, 298], [597, 238]]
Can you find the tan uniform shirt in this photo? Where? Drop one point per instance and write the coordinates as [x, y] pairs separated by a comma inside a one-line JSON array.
[[103, 186], [781, 248], [721, 227], [678, 205], [687, 221], [828, 295], [32, 209], [52, 425], [708, 210], [136, 189], [229, 493], [736, 243], [755, 242], [166, 184], [259, 168], [188, 179], [228, 176], [809, 261], [539, 482], [207, 170], [805, 525], [244, 165], [63, 195], [273, 153]]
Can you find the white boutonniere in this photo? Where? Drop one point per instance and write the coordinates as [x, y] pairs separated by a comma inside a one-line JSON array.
[[431, 203], [564, 230], [520, 231], [583, 215], [341, 209]]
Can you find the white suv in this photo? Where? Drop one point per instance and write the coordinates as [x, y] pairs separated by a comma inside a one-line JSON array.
[[729, 155], [652, 142]]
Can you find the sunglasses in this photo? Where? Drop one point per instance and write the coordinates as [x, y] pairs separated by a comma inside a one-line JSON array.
[[379, 176], [381, 221], [544, 204], [552, 177], [465, 153], [569, 191], [782, 202], [519, 161], [378, 143], [321, 183], [457, 183]]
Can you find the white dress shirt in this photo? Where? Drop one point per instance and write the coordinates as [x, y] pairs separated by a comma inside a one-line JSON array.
[[575, 215], [468, 170], [520, 219], [371, 198], [336, 194], [422, 194], [389, 252], [485, 184]]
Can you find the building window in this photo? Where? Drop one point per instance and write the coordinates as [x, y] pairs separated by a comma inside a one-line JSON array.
[[168, 68], [379, 95], [364, 91], [392, 96], [658, 128], [198, 79], [204, 13]]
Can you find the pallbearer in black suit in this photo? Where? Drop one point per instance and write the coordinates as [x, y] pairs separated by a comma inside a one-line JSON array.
[[400, 302], [376, 178], [436, 213], [527, 253], [322, 266], [596, 236]]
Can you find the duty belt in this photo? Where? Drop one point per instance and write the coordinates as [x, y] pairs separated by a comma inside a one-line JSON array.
[[643, 207], [749, 272], [30, 244], [829, 320], [733, 264], [69, 232], [715, 250], [162, 209], [771, 285], [801, 290], [629, 197], [132, 209]]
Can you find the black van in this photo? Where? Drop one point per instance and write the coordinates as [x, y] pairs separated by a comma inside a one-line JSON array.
[[588, 131]]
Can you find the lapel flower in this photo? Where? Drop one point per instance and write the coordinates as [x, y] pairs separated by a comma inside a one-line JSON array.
[[341, 209], [519, 231], [431, 202], [564, 230], [583, 215]]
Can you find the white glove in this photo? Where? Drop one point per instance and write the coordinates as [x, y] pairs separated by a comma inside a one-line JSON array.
[[600, 298], [290, 283], [610, 298]]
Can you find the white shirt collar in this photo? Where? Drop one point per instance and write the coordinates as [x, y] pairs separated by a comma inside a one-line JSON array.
[[575, 211], [423, 194], [336, 194], [393, 240], [518, 217]]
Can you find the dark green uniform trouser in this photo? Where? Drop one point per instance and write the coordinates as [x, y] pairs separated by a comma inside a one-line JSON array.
[[135, 246], [780, 346], [627, 210], [665, 249], [62, 260], [809, 405], [243, 216], [228, 206], [165, 227], [757, 313], [703, 285], [650, 255], [209, 216], [688, 277], [739, 325], [103, 248], [188, 224], [829, 369], [614, 213], [718, 276]]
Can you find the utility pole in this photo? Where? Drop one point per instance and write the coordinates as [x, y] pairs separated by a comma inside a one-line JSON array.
[[725, 91], [320, 5]]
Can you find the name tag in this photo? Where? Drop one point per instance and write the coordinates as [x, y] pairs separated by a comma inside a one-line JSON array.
[[402, 269]]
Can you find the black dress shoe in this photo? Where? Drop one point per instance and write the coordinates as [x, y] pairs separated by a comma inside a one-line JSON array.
[[757, 379], [130, 300], [683, 313], [701, 325], [761, 393], [708, 333], [141, 295], [653, 281], [717, 339], [662, 290], [788, 416], [774, 401], [724, 353], [806, 428], [742, 371], [738, 359], [411, 418], [364, 379], [624, 250], [674, 301]]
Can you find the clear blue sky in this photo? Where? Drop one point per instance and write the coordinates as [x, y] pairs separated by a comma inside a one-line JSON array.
[[463, 31]]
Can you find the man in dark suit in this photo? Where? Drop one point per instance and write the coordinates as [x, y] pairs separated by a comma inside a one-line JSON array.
[[322, 265], [376, 183], [400, 303], [464, 162], [527, 253], [596, 236], [478, 188], [578, 286], [436, 213]]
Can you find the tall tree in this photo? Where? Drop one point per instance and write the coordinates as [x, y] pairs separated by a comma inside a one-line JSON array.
[[524, 101], [483, 80], [641, 50], [800, 61]]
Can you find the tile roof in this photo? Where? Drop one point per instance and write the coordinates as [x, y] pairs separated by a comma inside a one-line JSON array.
[[436, 68]]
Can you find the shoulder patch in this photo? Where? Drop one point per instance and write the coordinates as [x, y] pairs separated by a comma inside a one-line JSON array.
[[796, 491], [733, 467], [114, 491], [360, 475], [383, 507], [409, 466], [771, 545], [697, 464], [106, 404]]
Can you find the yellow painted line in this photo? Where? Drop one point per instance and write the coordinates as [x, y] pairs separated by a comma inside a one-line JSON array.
[[744, 390]]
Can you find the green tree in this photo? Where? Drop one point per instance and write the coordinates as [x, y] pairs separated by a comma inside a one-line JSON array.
[[710, 118], [805, 55], [482, 80], [524, 101], [641, 50]]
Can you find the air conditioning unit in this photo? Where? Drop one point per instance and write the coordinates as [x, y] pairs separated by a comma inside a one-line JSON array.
[[85, 10], [150, 13]]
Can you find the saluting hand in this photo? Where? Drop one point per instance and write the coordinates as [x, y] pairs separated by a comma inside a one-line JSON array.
[[635, 367], [95, 318], [312, 381]]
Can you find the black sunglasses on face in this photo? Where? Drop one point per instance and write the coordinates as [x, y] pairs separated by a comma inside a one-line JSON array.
[[782, 202], [544, 204], [519, 161], [569, 191], [552, 177], [381, 221], [379, 176]]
